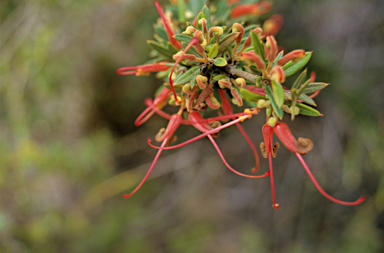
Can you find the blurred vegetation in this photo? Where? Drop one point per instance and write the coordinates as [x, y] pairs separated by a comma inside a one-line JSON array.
[[69, 147]]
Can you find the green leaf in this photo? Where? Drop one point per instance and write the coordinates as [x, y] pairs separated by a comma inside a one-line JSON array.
[[308, 111], [220, 62], [162, 33], [250, 96], [200, 16], [207, 16], [183, 38], [213, 51], [307, 99], [258, 45], [278, 57], [227, 40], [313, 87], [279, 111], [298, 65], [171, 48], [219, 77], [187, 76], [278, 93], [181, 10], [300, 80], [160, 48], [288, 65]]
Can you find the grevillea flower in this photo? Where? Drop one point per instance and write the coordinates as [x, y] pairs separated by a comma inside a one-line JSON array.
[[300, 147], [214, 66]]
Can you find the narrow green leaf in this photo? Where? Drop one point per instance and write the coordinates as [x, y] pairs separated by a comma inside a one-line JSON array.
[[227, 40], [278, 93], [308, 111], [213, 51], [181, 10], [220, 62], [183, 38], [162, 33], [303, 86], [279, 111], [307, 99], [219, 77], [160, 48], [298, 65], [207, 16], [278, 57], [288, 65], [258, 45], [187, 76], [171, 48], [300, 80], [250, 96], [313, 87]]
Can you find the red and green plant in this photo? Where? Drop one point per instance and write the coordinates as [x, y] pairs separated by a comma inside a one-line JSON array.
[[218, 60]]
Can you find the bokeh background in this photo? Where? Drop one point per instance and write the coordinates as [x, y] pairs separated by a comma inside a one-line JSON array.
[[68, 146]]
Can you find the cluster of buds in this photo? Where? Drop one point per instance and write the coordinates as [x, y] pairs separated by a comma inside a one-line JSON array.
[[214, 63]]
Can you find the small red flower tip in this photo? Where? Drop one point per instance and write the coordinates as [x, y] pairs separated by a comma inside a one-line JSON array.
[[301, 146], [173, 124], [294, 55], [255, 9], [272, 25], [272, 44], [277, 74], [357, 202], [251, 57], [167, 27], [142, 69]]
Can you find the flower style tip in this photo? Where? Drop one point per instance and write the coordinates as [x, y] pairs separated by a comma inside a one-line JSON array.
[[167, 27]]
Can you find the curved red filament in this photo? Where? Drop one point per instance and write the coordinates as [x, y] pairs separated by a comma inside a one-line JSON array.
[[311, 176], [149, 170]]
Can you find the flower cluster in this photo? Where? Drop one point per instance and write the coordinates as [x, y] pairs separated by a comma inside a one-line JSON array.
[[218, 61]]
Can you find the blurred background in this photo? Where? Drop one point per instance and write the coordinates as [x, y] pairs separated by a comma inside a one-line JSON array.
[[69, 147]]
